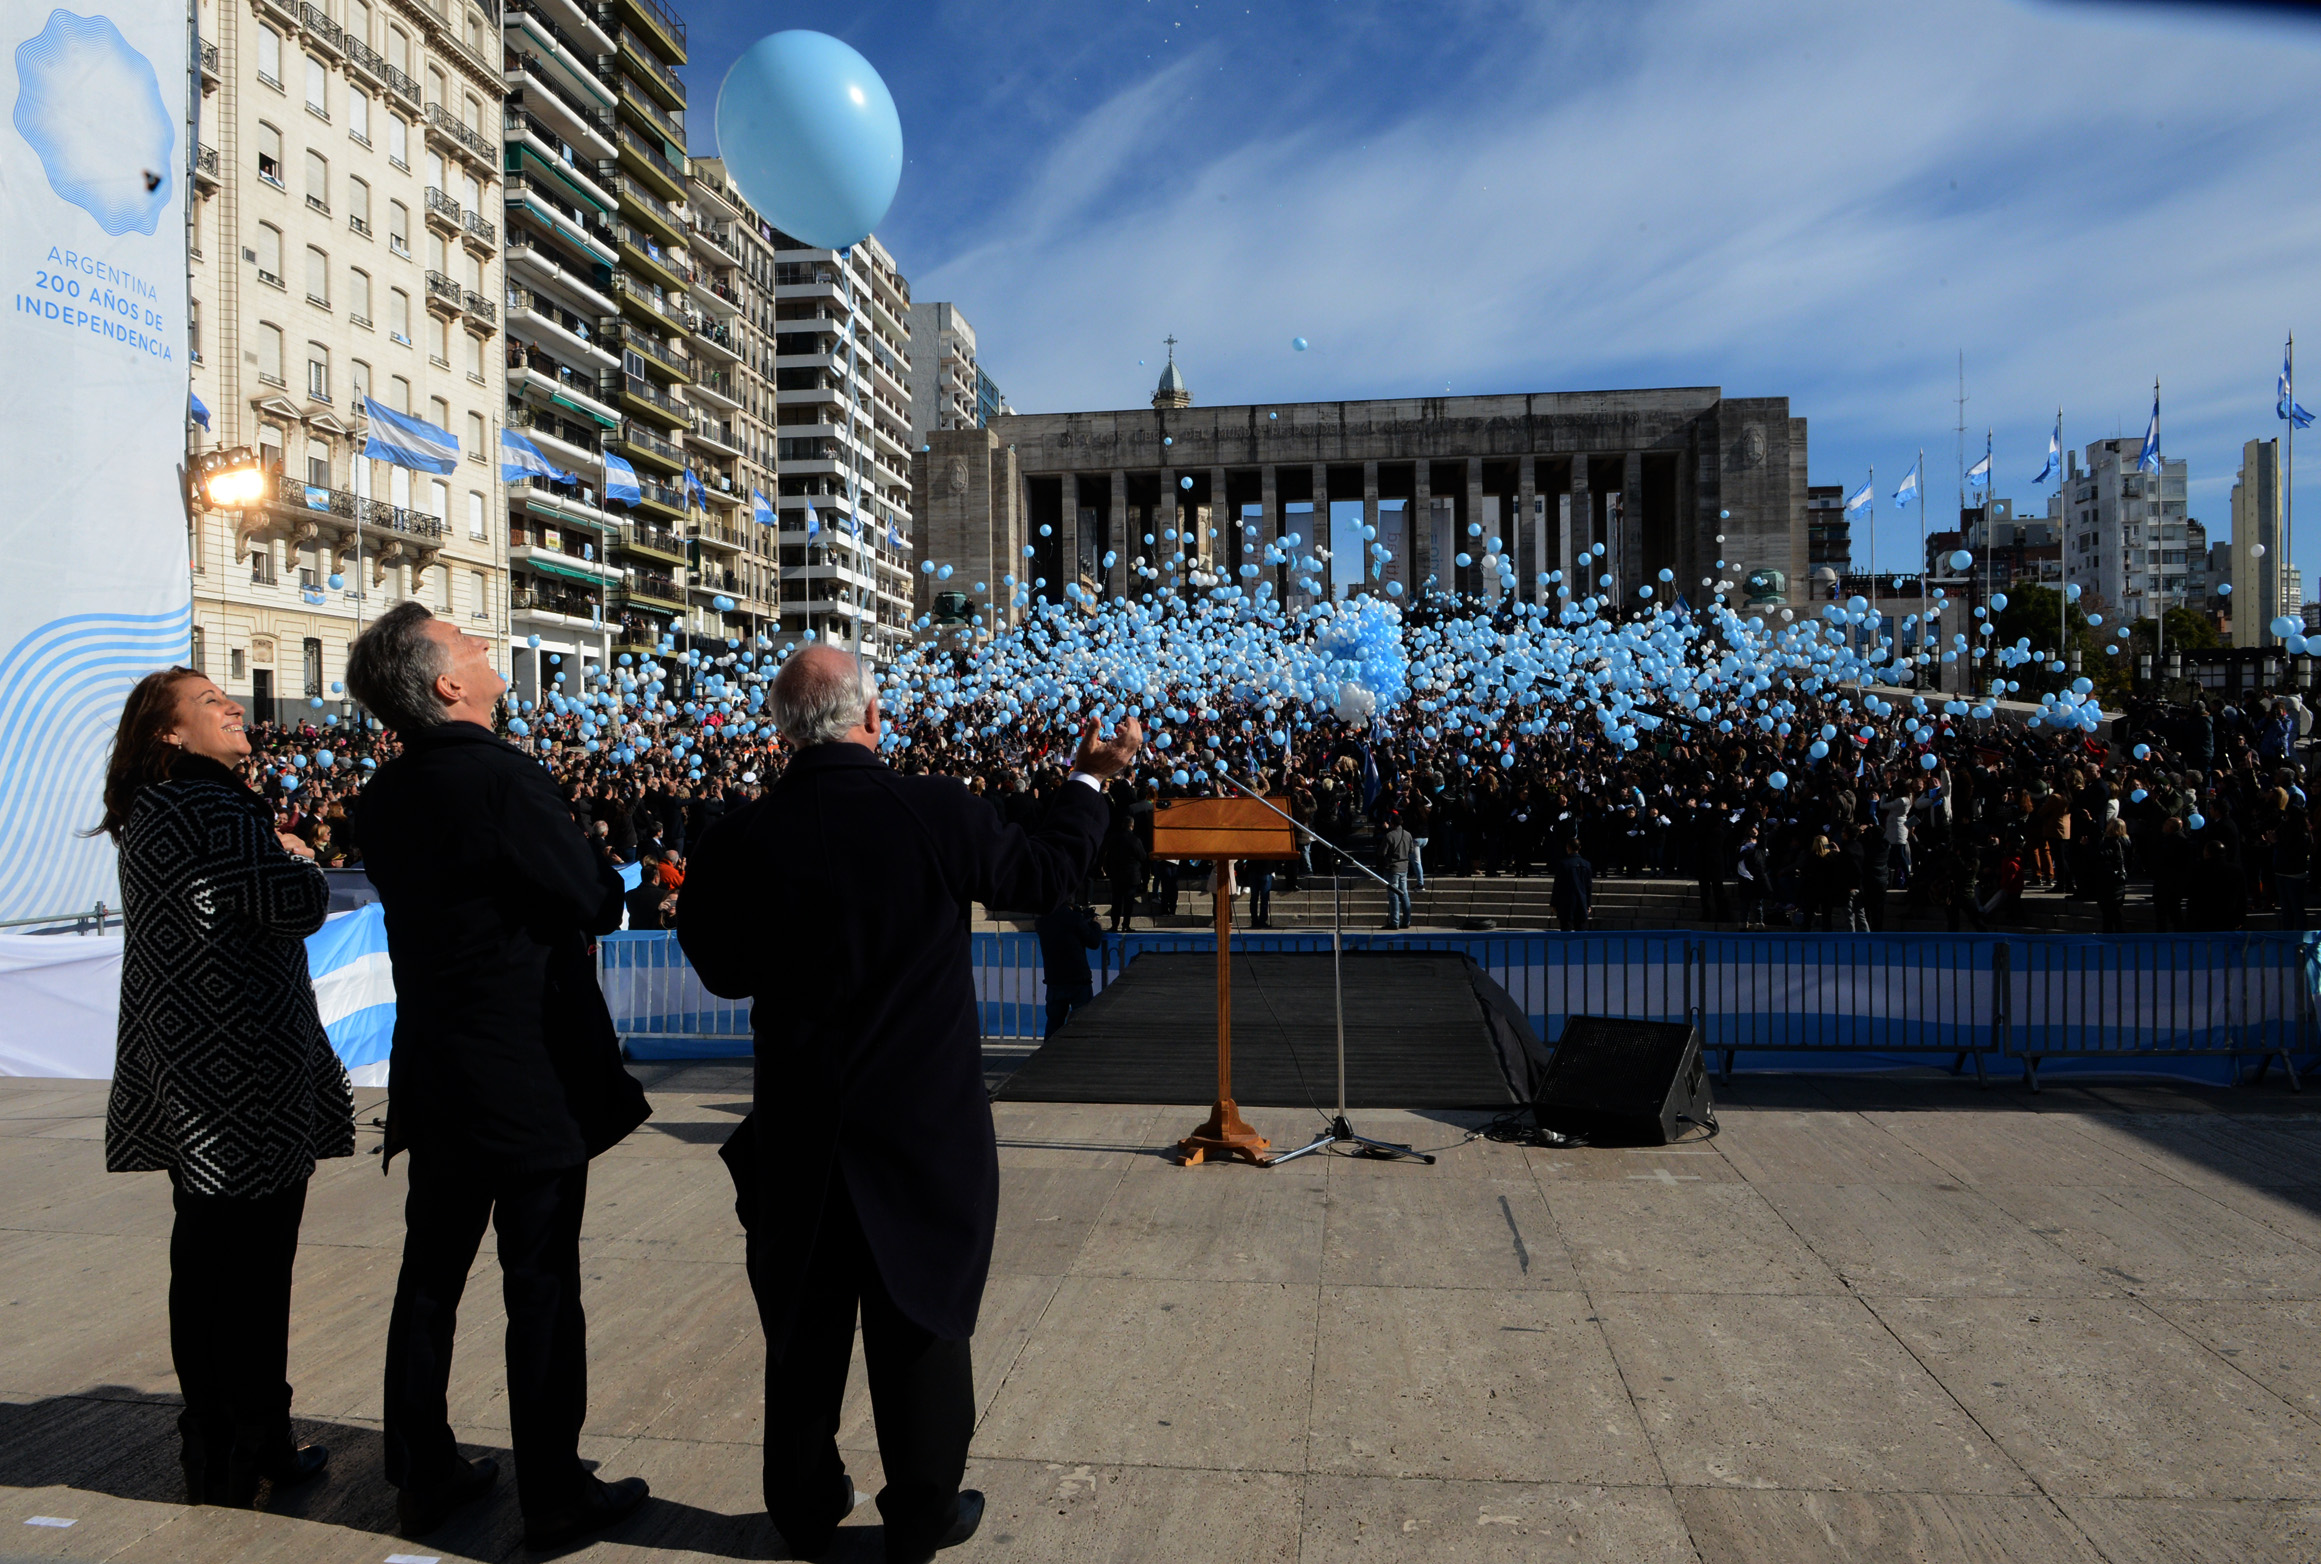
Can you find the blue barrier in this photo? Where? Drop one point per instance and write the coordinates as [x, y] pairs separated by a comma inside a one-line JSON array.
[[1774, 1000]]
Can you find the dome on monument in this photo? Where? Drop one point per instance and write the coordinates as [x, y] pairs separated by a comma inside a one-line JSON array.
[[1172, 378], [1172, 390]]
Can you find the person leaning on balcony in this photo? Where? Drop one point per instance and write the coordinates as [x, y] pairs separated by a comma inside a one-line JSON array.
[[223, 1076], [506, 1076], [868, 1176]]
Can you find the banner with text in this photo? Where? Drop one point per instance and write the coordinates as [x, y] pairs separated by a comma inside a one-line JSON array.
[[94, 590]]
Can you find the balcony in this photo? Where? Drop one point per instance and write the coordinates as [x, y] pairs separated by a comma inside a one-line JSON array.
[[445, 127], [646, 160], [443, 294], [637, 438], [719, 436], [401, 85], [578, 389], [532, 310], [592, 233], [594, 116], [210, 77], [205, 165], [656, 351], [372, 515], [479, 232], [365, 62], [642, 252], [653, 589], [543, 424], [644, 537], [659, 305], [544, 601], [659, 23], [638, 58], [634, 99], [716, 385], [661, 497], [442, 212], [321, 31], [641, 206], [480, 311], [640, 395]]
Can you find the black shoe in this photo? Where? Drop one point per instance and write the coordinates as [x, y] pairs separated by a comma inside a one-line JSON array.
[[300, 1464], [419, 1511], [606, 1504], [812, 1542], [963, 1525]]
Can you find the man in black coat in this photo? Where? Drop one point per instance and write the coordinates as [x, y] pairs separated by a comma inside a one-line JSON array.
[[506, 1075], [841, 902]]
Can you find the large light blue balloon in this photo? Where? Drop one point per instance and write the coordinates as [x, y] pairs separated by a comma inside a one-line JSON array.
[[810, 133]]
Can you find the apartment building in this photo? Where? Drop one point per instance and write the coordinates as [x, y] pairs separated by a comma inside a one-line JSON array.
[[730, 450], [842, 386], [341, 248], [2125, 542], [946, 382]]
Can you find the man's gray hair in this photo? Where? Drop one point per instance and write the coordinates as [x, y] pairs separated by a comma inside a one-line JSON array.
[[820, 694], [392, 668]]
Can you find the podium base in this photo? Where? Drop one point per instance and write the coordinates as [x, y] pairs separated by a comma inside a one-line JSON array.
[[1224, 1137]]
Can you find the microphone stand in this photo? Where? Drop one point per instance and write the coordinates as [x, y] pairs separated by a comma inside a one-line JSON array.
[[1340, 1131]]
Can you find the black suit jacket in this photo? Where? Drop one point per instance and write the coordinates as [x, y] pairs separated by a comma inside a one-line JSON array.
[[841, 902], [504, 1050]]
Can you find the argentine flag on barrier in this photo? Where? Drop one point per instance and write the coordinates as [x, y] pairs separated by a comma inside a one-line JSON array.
[[354, 989], [401, 440], [520, 458], [620, 480]]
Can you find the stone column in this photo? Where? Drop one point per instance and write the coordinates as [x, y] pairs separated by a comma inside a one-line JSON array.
[[1219, 549], [1582, 579], [1370, 526], [1164, 517], [1632, 573], [1478, 586], [1321, 529], [1525, 540], [1118, 540], [1269, 528], [1420, 522]]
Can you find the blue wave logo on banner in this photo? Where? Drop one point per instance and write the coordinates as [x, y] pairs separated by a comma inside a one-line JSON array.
[[91, 107], [61, 690]]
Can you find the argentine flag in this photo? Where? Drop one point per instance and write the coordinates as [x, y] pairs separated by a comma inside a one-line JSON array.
[[759, 510], [1980, 473], [403, 441], [813, 522], [354, 989], [620, 480], [1861, 496], [520, 459], [2149, 459], [1908, 490], [2054, 450], [2285, 407]]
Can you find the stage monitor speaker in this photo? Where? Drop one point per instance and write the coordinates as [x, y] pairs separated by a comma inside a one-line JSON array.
[[1625, 1083]]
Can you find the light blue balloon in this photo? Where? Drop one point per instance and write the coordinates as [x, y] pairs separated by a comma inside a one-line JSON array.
[[1777, 781], [2197, 822], [1299, 343], [2285, 626], [1928, 762], [337, 583], [1182, 483], [810, 133], [1961, 559]]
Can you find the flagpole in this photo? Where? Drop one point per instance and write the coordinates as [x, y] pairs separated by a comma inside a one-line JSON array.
[[2289, 464], [1924, 601]]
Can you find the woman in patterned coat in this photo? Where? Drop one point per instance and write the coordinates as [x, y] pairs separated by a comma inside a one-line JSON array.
[[223, 1076]]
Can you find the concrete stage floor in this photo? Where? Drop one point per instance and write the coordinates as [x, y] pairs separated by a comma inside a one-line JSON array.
[[1882, 1319]]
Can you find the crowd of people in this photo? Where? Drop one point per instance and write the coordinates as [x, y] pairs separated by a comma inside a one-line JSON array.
[[1809, 800]]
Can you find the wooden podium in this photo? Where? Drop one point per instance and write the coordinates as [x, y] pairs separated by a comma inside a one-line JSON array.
[[1223, 831]]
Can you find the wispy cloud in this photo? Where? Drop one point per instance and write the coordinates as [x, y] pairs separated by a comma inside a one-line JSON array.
[[1823, 199]]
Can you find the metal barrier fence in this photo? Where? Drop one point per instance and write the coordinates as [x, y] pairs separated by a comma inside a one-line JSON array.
[[1971, 998]]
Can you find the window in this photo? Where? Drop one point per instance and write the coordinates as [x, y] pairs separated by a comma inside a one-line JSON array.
[[399, 315], [270, 154], [475, 453], [193, 329], [439, 498], [399, 395], [435, 252], [318, 468], [359, 115], [262, 564], [317, 181], [359, 20], [439, 414], [399, 141], [270, 57], [359, 296], [317, 87], [471, 113], [434, 84], [439, 341], [479, 587], [399, 484], [471, 193], [270, 254], [235, 667], [398, 228], [312, 660], [199, 658], [318, 371], [435, 170], [358, 206], [358, 379], [270, 352], [399, 49], [475, 356], [475, 516]]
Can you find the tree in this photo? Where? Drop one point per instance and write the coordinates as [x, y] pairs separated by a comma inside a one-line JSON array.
[[2033, 611]]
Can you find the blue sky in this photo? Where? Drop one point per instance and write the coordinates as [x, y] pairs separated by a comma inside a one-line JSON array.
[[1821, 199]]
